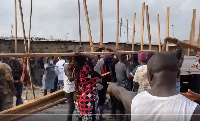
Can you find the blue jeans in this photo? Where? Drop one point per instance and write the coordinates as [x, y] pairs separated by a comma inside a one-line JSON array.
[[19, 88], [178, 86]]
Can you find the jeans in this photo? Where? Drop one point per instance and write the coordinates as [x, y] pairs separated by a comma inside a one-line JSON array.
[[19, 88], [70, 99], [178, 86], [60, 84]]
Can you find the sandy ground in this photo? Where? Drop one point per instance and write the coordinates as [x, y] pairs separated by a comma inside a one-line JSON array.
[[56, 113]]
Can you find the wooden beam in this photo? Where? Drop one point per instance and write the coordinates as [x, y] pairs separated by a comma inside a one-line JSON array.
[[199, 34], [101, 22], [133, 38], [142, 25], [15, 26], [117, 34], [148, 27], [79, 21], [159, 39], [23, 28], [88, 25], [192, 29], [167, 27]]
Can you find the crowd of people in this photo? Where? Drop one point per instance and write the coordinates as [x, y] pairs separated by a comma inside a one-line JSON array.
[[145, 86]]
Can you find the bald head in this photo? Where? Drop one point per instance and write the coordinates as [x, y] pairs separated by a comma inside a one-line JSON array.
[[163, 61]]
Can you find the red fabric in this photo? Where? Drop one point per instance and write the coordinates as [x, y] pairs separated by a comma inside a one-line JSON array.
[[88, 89]]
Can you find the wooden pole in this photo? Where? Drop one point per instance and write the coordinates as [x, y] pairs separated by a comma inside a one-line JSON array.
[[101, 22], [79, 18], [133, 38], [142, 25], [159, 39], [199, 35], [15, 26], [191, 40], [88, 25], [167, 27], [148, 27], [117, 33], [23, 28]]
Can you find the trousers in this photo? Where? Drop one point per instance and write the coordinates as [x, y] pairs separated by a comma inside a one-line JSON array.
[[70, 99]]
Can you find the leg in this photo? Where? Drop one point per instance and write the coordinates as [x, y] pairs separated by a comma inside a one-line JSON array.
[[56, 83], [113, 106], [45, 92], [19, 88], [119, 110], [101, 94], [71, 104]]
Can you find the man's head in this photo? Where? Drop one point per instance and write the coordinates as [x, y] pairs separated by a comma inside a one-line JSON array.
[[162, 69], [123, 58], [142, 58]]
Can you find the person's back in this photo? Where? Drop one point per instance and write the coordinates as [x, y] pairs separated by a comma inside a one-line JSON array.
[[120, 70], [173, 108]]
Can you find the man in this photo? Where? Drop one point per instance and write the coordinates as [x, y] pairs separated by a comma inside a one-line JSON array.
[[69, 88], [7, 88], [59, 69], [40, 66], [161, 102]]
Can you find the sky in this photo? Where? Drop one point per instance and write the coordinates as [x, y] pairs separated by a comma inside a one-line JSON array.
[[56, 18]]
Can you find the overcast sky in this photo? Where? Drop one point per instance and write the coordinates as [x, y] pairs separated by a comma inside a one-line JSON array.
[[59, 17]]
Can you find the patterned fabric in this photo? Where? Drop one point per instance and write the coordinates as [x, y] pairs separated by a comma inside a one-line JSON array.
[[87, 104], [6, 79], [197, 65], [141, 78]]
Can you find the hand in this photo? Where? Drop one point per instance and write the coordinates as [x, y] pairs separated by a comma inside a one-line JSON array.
[[191, 95], [110, 87], [167, 39], [173, 40]]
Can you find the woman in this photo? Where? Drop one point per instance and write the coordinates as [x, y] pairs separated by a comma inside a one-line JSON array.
[[86, 94], [49, 76]]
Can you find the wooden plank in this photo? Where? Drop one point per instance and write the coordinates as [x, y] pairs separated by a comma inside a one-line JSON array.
[[101, 22], [4, 55], [159, 39], [192, 29], [79, 21], [15, 26], [142, 26], [199, 34], [117, 34], [148, 27], [167, 27], [88, 25], [133, 38]]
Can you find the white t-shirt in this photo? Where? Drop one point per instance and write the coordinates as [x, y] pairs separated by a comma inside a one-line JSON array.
[[59, 69], [141, 78], [68, 86], [146, 107]]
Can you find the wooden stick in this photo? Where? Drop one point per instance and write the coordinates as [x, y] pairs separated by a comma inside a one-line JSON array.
[[193, 28], [88, 25], [79, 19], [117, 33], [133, 38], [159, 39], [148, 27], [4, 55], [167, 27], [142, 25], [15, 26], [199, 34], [101, 22], [191, 31], [23, 28]]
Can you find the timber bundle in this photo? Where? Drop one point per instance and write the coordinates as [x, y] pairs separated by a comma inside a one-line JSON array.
[[43, 103]]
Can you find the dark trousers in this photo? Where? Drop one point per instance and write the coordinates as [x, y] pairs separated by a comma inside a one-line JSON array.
[[56, 83], [19, 88], [70, 99]]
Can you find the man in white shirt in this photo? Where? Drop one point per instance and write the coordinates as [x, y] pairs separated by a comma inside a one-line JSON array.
[[161, 102], [59, 69]]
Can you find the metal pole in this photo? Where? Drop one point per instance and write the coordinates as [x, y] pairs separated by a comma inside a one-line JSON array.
[[120, 31], [127, 29]]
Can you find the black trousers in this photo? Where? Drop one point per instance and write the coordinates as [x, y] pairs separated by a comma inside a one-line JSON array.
[[70, 99]]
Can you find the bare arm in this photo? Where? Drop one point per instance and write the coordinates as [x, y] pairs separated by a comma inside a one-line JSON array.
[[122, 94], [68, 72]]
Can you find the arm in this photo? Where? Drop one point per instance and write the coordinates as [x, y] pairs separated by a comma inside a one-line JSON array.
[[87, 55], [122, 94], [68, 72]]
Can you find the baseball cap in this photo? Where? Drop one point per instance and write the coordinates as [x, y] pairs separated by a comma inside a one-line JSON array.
[[142, 56]]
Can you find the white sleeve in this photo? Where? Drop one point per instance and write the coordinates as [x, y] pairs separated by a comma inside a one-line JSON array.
[[98, 66]]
